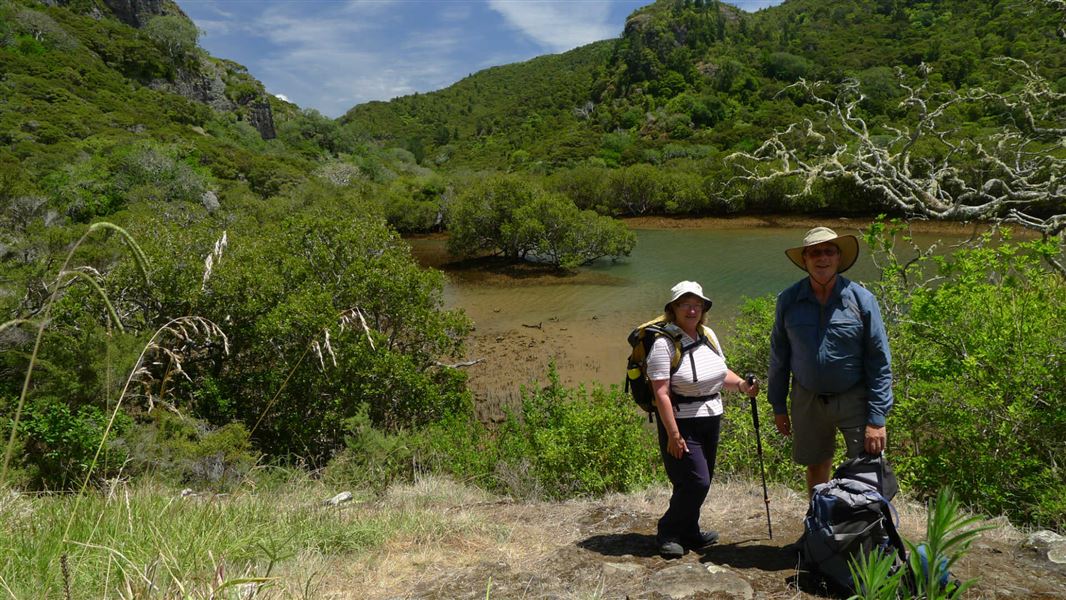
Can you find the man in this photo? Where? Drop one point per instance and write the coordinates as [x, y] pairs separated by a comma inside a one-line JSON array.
[[829, 337]]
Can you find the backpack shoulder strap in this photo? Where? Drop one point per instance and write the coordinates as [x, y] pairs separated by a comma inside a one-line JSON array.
[[673, 333], [709, 338], [645, 334]]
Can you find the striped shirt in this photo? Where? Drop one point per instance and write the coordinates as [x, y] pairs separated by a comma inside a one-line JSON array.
[[710, 370]]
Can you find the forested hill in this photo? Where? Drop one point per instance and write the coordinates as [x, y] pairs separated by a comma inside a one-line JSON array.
[[488, 113], [689, 77], [106, 104]]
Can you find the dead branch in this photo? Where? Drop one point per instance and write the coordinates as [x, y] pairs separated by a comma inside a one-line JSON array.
[[1014, 176], [465, 363]]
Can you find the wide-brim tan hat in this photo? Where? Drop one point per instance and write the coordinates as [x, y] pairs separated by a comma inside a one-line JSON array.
[[687, 287], [848, 245]]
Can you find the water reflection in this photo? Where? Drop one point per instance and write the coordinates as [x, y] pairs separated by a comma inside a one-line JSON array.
[[525, 318]]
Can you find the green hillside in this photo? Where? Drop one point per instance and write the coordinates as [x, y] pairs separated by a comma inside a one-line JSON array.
[[198, 280], [484, 118], [692, 77]]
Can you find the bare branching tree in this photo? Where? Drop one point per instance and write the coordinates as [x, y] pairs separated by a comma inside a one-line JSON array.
[[930, 167]]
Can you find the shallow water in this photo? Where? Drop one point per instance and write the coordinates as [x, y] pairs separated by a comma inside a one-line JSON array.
[[581, 320]]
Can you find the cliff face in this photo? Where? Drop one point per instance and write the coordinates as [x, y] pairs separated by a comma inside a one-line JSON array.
[[206, 83], [262, 118], [136, 13]]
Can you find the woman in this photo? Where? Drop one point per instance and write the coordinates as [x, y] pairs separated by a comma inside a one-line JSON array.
[[689, 405]]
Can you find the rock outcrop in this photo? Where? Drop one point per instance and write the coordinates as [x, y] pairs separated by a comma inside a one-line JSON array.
[[204, 85], [262, 118], [136, 13]]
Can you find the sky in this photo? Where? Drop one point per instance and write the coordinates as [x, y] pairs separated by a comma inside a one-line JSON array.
[[331, 55]]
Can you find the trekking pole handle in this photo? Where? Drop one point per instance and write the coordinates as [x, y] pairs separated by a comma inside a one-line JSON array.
[[750, 379]]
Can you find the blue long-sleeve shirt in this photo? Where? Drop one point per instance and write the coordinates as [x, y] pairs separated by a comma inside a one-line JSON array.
[[830, 349]]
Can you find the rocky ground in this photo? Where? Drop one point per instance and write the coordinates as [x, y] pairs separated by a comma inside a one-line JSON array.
[[601, 549]]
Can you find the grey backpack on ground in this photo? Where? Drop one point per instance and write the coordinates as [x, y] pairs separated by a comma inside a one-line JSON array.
[[847, 517]]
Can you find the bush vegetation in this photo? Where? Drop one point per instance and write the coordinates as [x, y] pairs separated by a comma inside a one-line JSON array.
[[335, 341], [976, 338]]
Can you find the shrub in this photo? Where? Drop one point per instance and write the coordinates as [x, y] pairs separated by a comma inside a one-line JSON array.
[[326, 312], [515, 218], [575, 443], [980, 379], [59, 443], [190, 452], [749, 351]]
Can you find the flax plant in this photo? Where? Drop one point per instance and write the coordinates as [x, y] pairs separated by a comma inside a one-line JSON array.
[[926, 572]]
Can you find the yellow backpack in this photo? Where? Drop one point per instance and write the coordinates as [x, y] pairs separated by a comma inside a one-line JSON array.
[[641, 340]]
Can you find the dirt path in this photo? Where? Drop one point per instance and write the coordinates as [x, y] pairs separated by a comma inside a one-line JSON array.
[[604, 549]]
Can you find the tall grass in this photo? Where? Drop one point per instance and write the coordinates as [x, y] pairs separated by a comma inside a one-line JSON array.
[[148, 541], [64, 278]]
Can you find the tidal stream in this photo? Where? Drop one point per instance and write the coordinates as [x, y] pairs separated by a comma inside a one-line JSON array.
[[526, 317]]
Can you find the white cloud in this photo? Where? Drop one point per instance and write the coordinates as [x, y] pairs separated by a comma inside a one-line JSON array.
[[332, 55], [336, 60], [558, 24]]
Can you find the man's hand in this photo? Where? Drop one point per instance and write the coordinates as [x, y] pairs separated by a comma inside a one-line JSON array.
[[875, 439], [784, 425]]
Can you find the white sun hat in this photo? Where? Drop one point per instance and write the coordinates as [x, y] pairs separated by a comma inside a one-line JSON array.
[[687, 287]]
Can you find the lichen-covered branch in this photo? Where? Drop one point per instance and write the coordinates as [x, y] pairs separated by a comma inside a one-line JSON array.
[[935, 165]]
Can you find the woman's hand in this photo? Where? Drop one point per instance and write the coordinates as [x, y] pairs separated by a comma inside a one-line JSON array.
[[752, 389], [676, 446]]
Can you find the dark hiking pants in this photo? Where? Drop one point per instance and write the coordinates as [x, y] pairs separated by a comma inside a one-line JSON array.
[[691, 475]]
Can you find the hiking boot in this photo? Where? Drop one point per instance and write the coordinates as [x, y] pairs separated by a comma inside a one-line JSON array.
[[670, 550], [705, 539]]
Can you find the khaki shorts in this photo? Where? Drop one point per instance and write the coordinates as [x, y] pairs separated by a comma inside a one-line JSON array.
[[816, 419]]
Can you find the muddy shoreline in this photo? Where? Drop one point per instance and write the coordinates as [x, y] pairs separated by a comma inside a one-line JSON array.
[[586, 350]]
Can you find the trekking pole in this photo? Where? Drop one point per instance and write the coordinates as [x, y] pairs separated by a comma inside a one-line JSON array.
[[750, 378]]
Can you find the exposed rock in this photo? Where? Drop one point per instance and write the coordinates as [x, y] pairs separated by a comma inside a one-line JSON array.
[[339, 499], [1057, 553], [614, 569], [1042, 540], [210, 201], [1049, 545], [687, 580], [204, 85], [262, 118], [136, 13]]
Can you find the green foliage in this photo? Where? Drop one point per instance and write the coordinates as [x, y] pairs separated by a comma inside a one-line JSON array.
[[976, 339], [175, 35], [371, 458], [698, 74], [980, 380], [189, 452], [749, 351], [517, 219], [787, 67], [59, 443], [325, 312], [569, 443], [949, 534]]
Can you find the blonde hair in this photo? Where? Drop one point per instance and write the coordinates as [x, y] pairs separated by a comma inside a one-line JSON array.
[[668, 310]]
